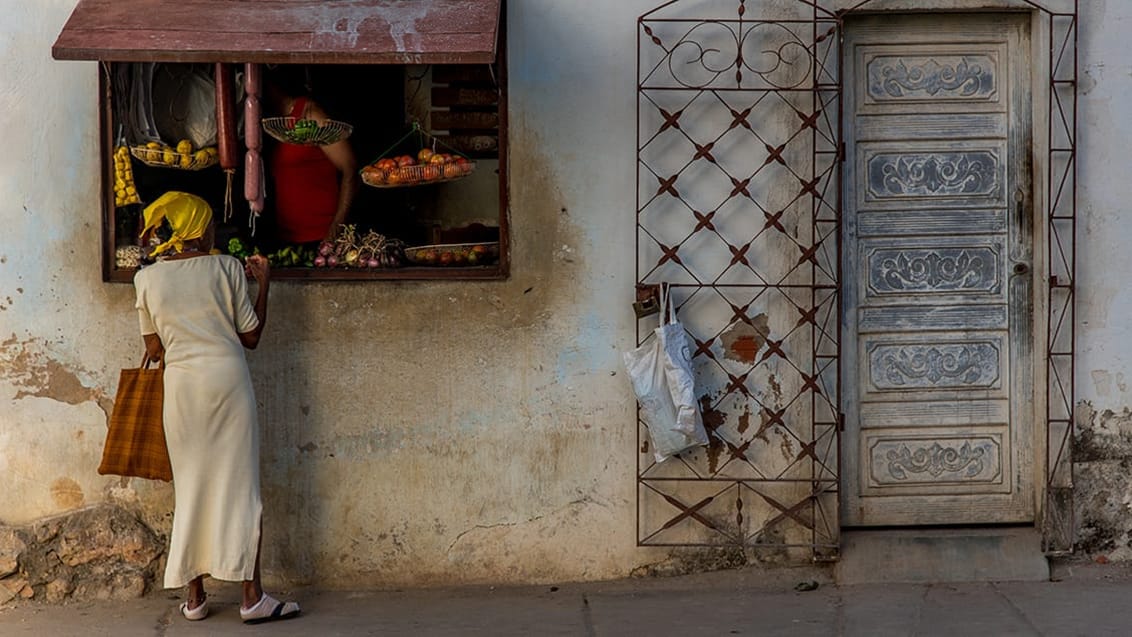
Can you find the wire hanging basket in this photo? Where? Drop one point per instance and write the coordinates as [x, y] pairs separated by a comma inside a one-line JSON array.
[[167, 157], [430, 163], [306, 132]]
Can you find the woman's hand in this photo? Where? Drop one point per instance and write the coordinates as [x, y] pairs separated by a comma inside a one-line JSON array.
[[257, 267], [154, 349]]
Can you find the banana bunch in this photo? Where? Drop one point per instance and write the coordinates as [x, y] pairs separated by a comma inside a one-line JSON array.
[[183, 155], [125, 192]]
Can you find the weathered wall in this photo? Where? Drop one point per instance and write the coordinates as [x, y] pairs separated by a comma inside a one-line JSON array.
[[1103, 454], [414, 433], [426, 433]]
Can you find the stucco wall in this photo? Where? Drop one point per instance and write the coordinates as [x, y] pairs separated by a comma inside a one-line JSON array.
[[414, 433], [424, 433], [1103, 452]]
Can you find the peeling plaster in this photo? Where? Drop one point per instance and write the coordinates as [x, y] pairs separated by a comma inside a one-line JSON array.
[[743, 340], [67, 494], [35, 374], [1104, 382]]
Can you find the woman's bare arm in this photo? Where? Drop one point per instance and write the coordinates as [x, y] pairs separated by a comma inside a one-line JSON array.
[[259, 269]]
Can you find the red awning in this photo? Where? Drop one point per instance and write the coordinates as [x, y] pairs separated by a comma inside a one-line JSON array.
[[282, 31]]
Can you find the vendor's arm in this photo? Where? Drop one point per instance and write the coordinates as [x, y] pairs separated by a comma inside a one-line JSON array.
[[342, 156]]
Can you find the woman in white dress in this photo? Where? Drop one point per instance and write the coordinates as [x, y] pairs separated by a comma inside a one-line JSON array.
[[194, 312]]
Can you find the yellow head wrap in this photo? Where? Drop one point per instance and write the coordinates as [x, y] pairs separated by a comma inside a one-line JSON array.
[[188, 216]]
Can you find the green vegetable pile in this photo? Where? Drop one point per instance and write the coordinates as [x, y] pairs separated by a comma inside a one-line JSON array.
[[305, 130], [293, 256], [237, 249]]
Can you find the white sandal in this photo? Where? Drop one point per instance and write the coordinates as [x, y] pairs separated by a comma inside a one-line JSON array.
[[268, 609], [195, 614]]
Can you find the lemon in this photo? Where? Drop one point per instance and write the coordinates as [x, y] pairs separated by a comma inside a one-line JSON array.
[[131, 191], [202, 157], [153, 145], [186, 161], [185, 147], [169, 158]]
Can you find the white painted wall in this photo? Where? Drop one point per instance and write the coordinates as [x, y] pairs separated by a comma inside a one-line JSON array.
[[421, 433], [1103, 259]]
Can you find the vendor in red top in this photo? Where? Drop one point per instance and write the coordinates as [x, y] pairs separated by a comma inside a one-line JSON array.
[[313, 185]]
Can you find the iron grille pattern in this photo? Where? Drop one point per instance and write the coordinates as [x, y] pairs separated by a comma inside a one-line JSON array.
[[739, 145]]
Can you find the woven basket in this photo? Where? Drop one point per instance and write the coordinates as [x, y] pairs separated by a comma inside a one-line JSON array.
[[416, 175], [454, 254], [283, 129], [158, 157]]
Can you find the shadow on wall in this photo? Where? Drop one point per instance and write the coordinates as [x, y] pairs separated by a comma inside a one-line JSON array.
[[280, 370]]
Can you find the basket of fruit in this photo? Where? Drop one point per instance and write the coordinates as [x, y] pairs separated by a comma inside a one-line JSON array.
[[306, 132], [454, 254], [183, 156], [428, 167]]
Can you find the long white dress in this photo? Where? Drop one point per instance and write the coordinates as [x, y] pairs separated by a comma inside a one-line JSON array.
[[198, 306]]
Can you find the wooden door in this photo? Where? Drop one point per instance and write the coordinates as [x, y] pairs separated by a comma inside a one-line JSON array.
[[937, 292]]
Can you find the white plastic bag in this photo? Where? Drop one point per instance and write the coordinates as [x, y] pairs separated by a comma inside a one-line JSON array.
[[662, 378]]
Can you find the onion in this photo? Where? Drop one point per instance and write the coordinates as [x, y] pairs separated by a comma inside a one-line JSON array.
[[319, 261], [373, 263], [325, 249], [332, 260]]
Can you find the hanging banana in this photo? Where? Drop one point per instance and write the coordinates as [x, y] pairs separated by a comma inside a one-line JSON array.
[[125, 191]]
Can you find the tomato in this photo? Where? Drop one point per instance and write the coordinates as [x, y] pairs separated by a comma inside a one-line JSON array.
[[424, 155], [405, 160], [373, 174], [452, 171]]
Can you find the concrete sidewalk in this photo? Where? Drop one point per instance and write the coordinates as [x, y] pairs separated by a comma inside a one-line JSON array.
[[1083, 599]]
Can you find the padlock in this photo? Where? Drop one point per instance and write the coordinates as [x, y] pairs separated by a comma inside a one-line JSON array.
[[648, 300]]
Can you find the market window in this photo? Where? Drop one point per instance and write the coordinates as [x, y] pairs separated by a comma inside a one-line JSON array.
[[359, 158]]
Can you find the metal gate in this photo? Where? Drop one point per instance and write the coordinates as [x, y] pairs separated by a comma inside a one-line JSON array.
[[739, 209]]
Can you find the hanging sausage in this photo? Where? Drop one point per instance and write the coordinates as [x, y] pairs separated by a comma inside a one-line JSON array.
[[226, 129], [253, 137]]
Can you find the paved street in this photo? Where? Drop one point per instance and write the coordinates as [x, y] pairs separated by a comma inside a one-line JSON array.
[[1084, 599]]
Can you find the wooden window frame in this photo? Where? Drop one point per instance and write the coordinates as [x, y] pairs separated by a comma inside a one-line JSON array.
[[498, 271]]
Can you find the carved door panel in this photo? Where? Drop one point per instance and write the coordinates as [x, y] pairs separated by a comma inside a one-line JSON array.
[[937, 286]]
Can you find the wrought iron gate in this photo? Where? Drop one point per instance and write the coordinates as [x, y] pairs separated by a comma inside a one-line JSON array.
[[739, 209]]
